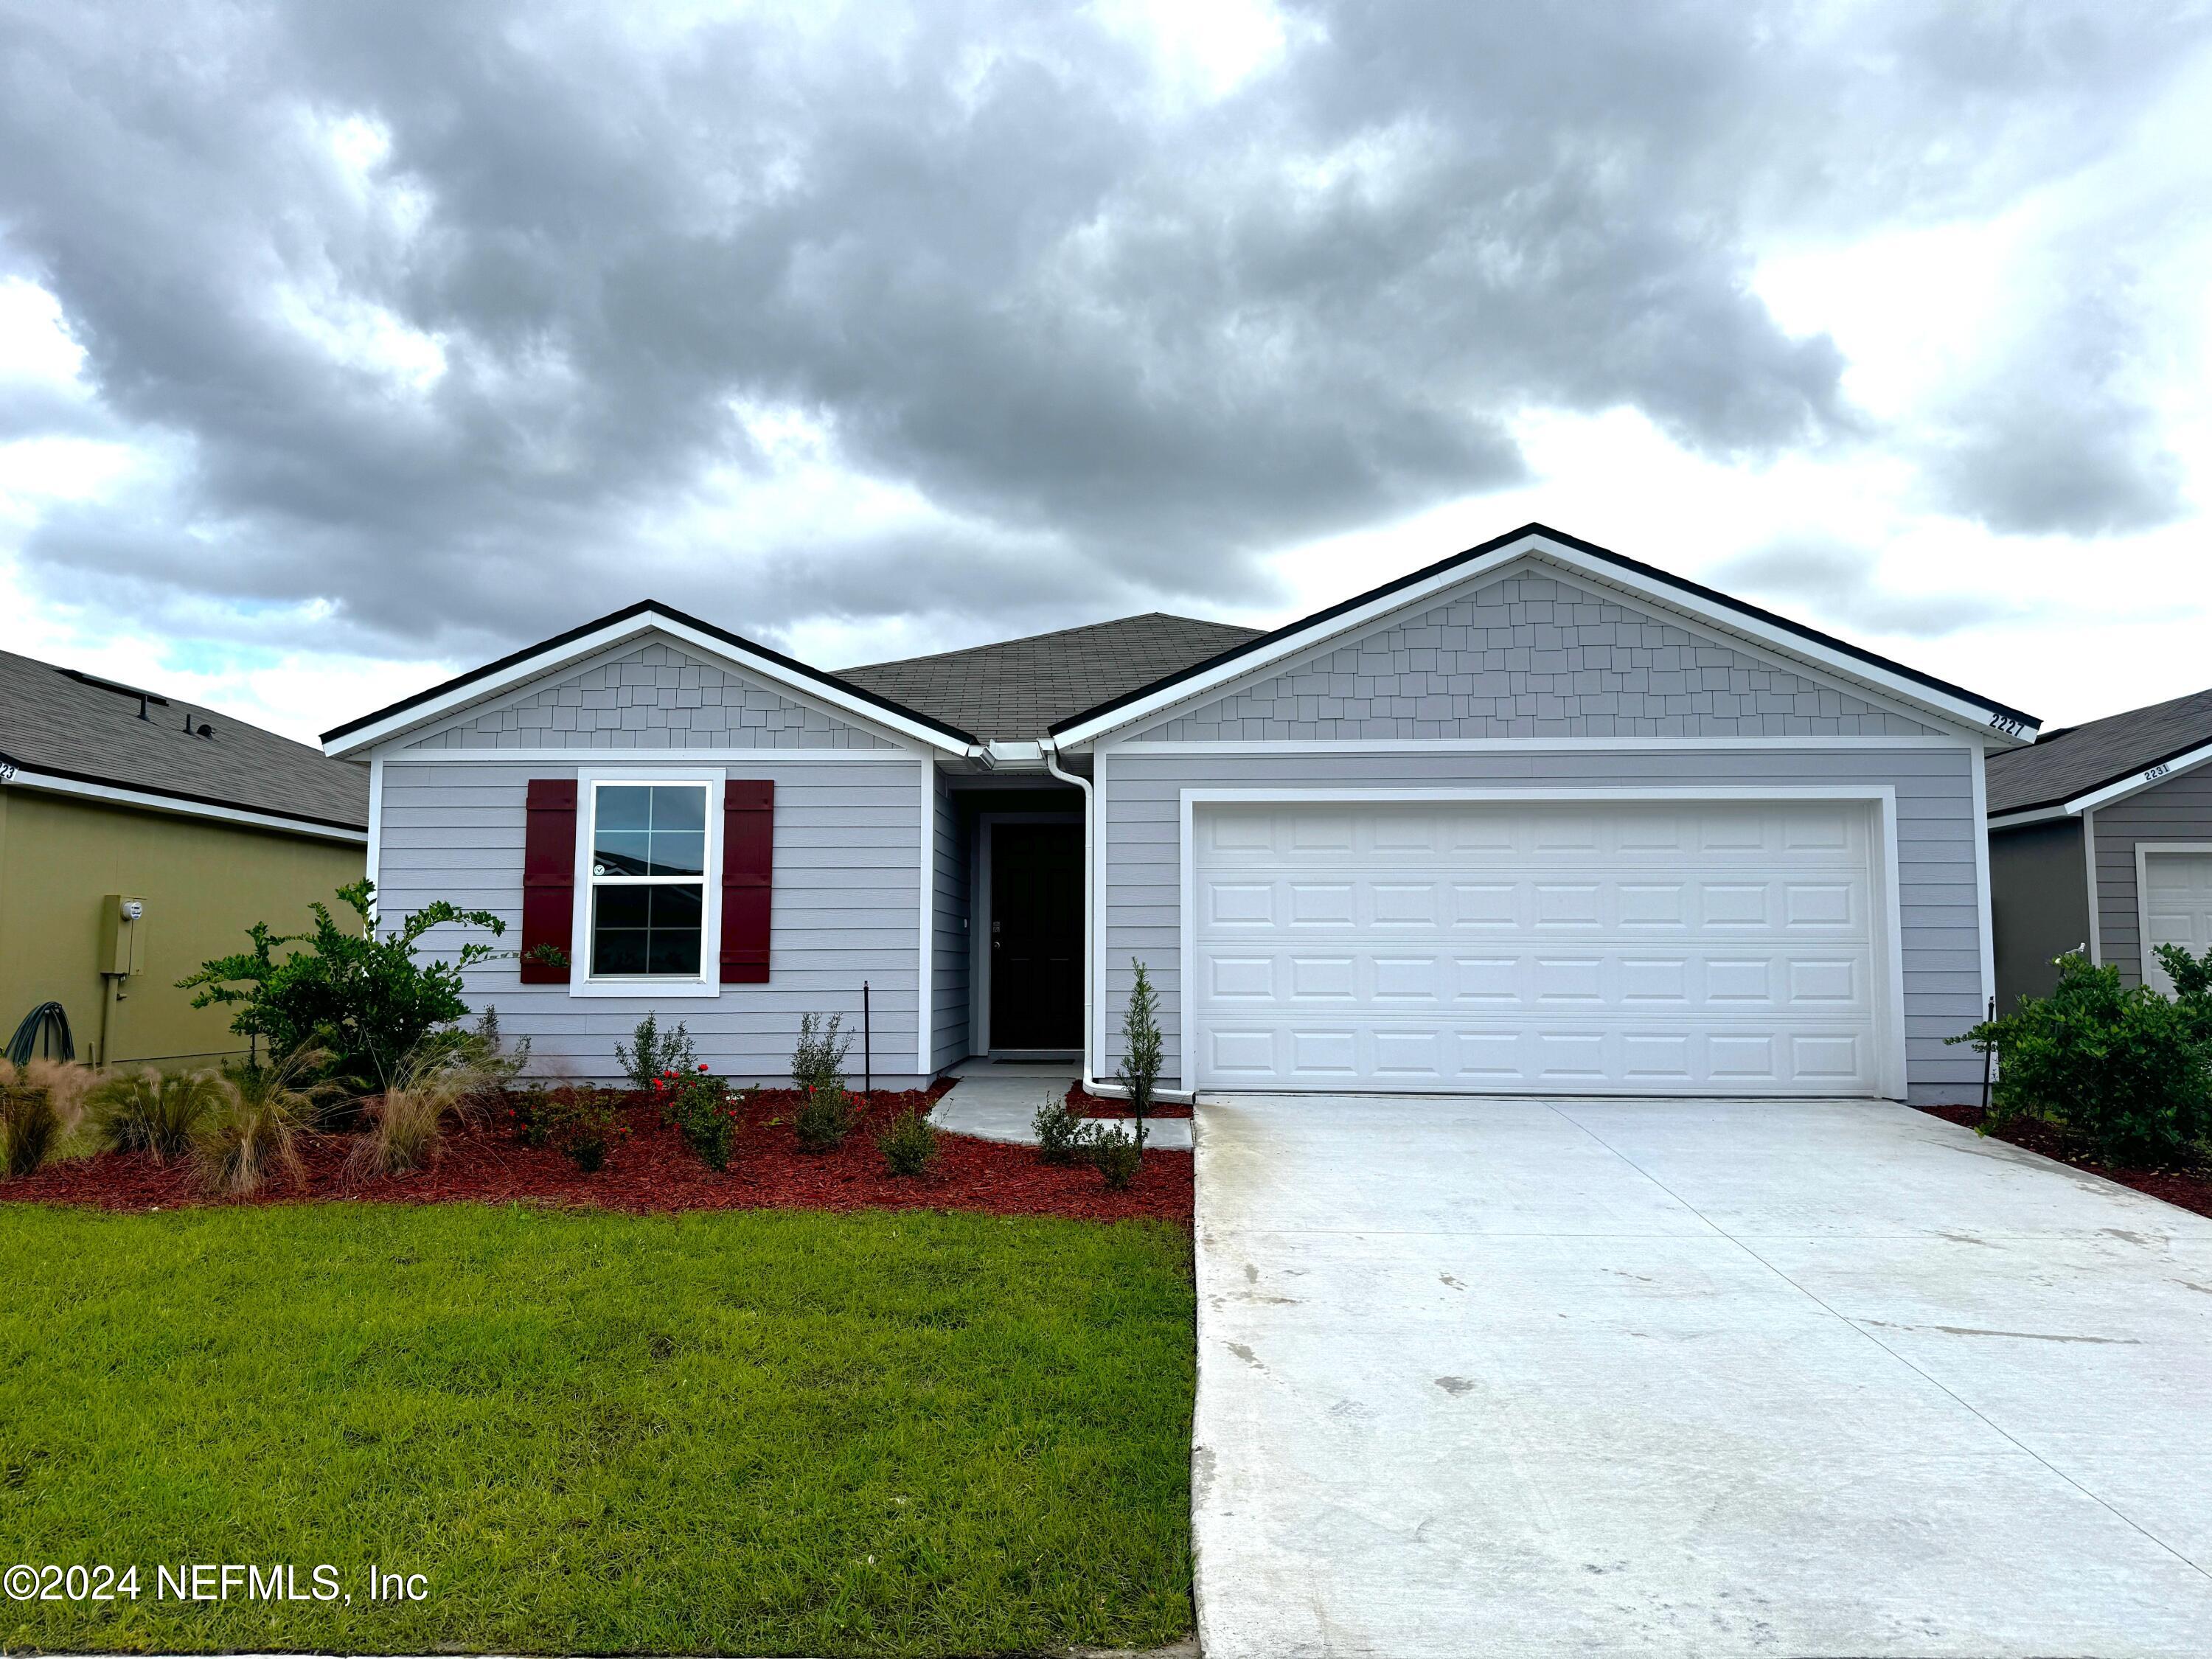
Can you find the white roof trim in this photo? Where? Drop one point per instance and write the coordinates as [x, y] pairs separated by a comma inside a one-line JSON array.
[[154, 800], [1978, 718], [2137, 783], [432, 710]]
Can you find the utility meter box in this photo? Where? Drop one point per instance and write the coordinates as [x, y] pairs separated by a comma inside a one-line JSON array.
[[122, 934]]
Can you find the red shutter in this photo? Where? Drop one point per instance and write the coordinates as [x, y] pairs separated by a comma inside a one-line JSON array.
[[748, 879], [548, 878]]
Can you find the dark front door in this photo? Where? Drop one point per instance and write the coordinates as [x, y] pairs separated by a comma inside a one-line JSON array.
[[1036, 936]]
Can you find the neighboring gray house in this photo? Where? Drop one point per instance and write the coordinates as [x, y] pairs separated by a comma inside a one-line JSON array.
[[2101, 841], [1535, 819]]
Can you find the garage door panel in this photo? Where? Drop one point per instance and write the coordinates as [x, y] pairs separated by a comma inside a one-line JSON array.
[[2176, 906], [1763, 980]]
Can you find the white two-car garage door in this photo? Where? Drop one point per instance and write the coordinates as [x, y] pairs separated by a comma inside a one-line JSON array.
[[1616, 946]]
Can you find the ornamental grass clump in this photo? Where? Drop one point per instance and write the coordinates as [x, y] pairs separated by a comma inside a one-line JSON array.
[[909, 1144], [258, 1128], [696, 1104], [404, 1129], [29, 1124], [158, 1115]]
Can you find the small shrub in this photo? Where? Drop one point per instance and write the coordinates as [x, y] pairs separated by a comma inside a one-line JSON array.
[[577, 1121], [698, 1107], [818, 1063], [824, 1118], [266, 1112], [1118, 1157], [2124, 1068], [1140, 1070], [649, 1055], [29, 1125], [1062, 1135], [146, 1112], [909, 1144]]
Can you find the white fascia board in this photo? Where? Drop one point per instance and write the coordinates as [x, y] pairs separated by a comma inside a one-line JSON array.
[[552, 660], [1978, 718], [2137, 783], [25, 778], [2032, 815]]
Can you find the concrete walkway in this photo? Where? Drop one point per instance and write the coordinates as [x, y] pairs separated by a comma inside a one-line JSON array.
[[996, 1101], [1703, 1378]]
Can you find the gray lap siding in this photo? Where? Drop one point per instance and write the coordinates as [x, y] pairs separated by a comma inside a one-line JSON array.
[[847, 908], [1139, 799], [2177, 809]]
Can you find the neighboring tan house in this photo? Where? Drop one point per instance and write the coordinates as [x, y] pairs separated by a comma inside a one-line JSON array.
[[140, 836], [1538, 818], [2101, 841]]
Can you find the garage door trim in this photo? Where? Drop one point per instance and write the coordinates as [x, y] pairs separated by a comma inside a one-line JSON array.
[[2145, 851], [1889, 1034]]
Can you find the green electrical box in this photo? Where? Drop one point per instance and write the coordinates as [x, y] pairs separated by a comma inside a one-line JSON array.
[[122, 934]]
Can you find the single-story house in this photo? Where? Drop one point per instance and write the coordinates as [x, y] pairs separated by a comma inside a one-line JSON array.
[[2100, 841], [1536, 818], [140, 836]]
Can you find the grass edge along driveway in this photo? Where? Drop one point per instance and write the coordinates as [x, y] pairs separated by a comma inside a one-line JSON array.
[[765, 1432]]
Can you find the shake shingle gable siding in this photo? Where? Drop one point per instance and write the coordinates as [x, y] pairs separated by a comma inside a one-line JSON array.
[[651, 696], [1534, 657]]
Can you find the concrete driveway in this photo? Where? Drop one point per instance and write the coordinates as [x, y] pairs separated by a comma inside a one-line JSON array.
[[1694, 1377]]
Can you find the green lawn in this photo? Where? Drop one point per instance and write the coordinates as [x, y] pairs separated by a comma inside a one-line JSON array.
[[754, 1433]]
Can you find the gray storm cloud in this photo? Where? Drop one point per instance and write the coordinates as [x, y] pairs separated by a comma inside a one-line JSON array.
[[460, 318]]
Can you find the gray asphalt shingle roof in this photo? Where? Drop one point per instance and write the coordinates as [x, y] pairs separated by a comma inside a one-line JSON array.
[[2077, 759], [1015, 690], [53, 722]]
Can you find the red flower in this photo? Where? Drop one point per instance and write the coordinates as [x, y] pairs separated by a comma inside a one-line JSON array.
[[703, 1065]]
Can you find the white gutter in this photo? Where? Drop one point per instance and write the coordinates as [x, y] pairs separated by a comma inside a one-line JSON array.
[[1050, 753]]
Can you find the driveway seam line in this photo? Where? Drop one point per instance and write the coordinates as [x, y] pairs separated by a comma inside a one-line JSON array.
[[1849, 1324]]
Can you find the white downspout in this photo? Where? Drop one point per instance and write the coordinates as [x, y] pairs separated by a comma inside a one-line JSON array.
[[1050, 750]]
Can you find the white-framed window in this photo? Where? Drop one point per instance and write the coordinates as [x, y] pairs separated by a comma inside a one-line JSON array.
[[648, 884]]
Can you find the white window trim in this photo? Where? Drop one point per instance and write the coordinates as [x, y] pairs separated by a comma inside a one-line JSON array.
[[709, 983], [2145, 851], [1889, 1034]]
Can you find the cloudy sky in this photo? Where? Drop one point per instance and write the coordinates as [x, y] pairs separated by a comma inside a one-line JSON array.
[[343, 346]]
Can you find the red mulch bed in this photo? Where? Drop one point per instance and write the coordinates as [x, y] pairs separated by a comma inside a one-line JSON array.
[[651, 1171], [2190, 1188], [1087, 1105]]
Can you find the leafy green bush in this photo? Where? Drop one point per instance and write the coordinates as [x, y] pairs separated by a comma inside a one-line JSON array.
[[29, 1125], [909, 1143], [577, 1121], [1118, 1156], [818, 1063], [649, 1055], [697, 1106], [2126, 1069], [824, 1118], [146, 1112], [1063, 1136], [363, 995]]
